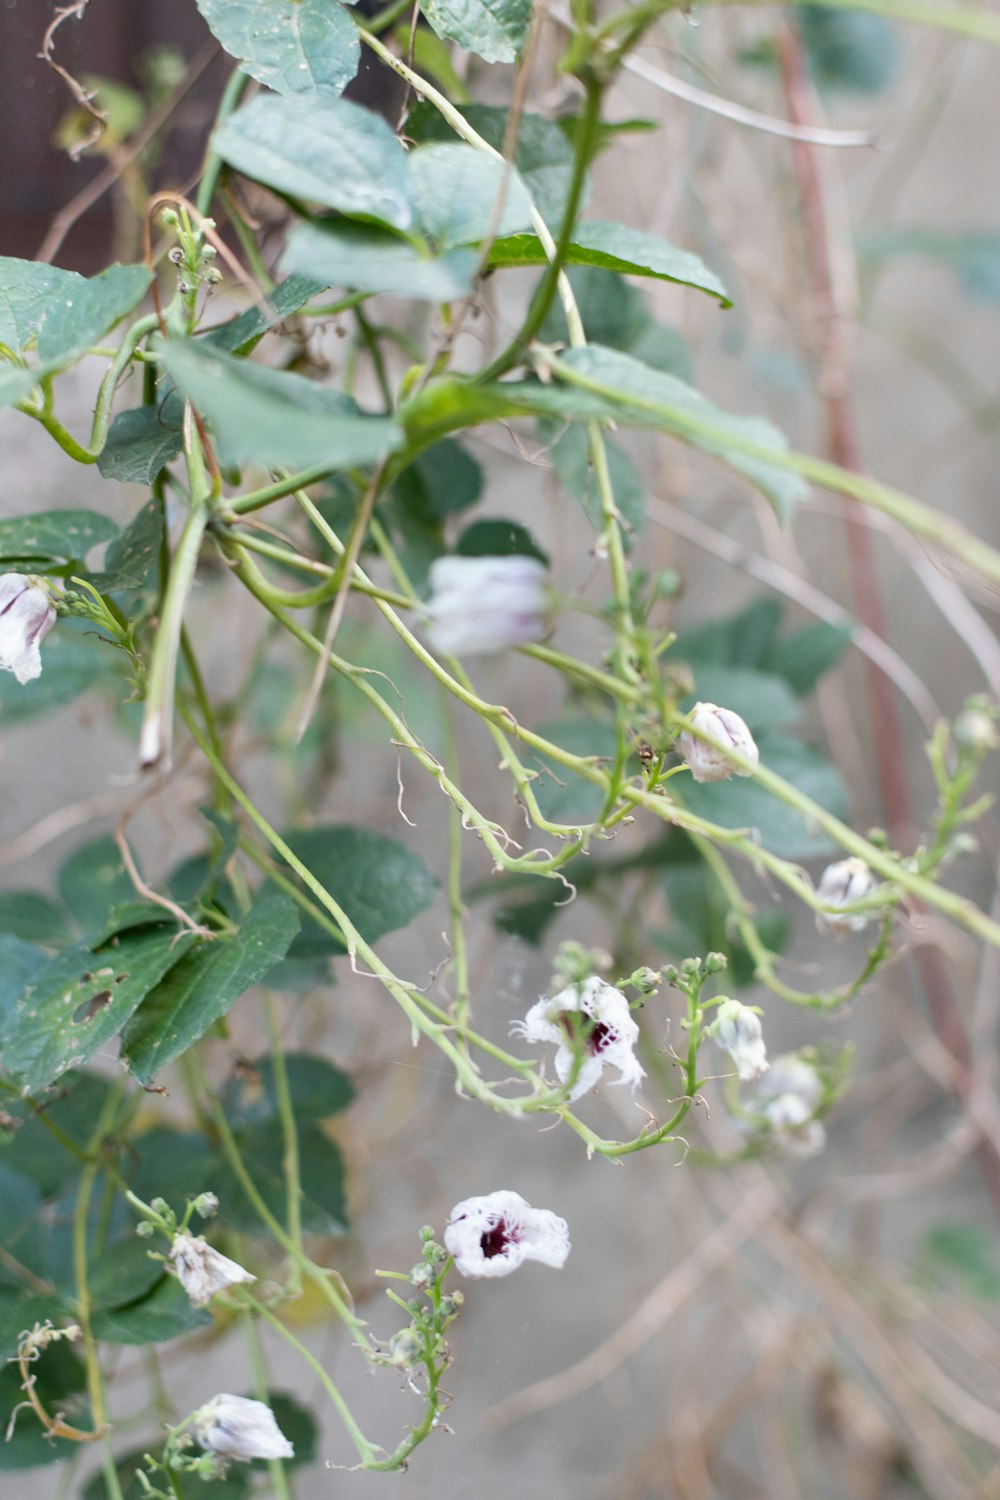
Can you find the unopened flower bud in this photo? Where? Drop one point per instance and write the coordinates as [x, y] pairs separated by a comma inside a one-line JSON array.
[[206, 1204], [236, 1427], [421, 1276], [841, 884], [27, 614], [176, 255], [203, 1271], [738, 1031], [482, 605], [452, 1305], [793, 1126], [976, 729], [404, 1349], [145, 1230], [160, 1206], [715, 963], [716, 730]]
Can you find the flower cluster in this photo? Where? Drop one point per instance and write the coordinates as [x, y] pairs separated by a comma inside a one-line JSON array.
[[494, 1234], [593, 1027]]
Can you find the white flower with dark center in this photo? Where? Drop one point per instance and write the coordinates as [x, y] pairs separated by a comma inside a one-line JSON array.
[[738, 1031], [841, 884], [719, 729], [201, 1270], [481, 605], [794, 1129], [596, 1017], [27, 614], [494, 1234], [236, 1427]]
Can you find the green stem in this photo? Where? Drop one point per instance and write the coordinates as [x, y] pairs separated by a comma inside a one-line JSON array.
[[289, 1134], [258, 1365], [236, 87]]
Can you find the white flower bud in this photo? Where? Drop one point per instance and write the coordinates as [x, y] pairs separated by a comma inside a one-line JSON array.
[[203, 1271], [722, 728], [481, 605], [976, 729], [494, 1234], [793, 1127], [841, 884], [236, 1427], [791, 1074], [27, 614], [608, 1033], [738, 1031]]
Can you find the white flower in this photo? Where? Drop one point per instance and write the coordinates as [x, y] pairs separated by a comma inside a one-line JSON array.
[[493, 1234], [201, 1270], [791, 1074], [737, 1030], [236, 1427], [27, 614], [794, 1129], [607, 1036], [480, 605], [721, 727], [841, 884]]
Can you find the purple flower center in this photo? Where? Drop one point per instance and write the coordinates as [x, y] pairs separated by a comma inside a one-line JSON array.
[[495, 1241], [596, 1035]]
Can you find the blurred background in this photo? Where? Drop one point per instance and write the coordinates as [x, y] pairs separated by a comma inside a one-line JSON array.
[[819, 1328]]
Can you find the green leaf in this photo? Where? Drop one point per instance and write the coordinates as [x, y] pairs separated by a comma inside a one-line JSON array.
[[288, 297], [35, 1152], [803, 658], [369, 259], [142, 442], [123, 1273], [318, 1090], [614, 247], [493, 537], [164, 1313], [82, 998], [495, 29], [16, 384], [321, 148], [132, 553], [298, 1425], [81, 311], [20, 1205], [292, 46], [441, 481], [380, 884], [744, 639], [848, 49], [33, 917], [742, 803], [700, 919], [544, 157], [273, 417], [964, 1253], [175, 1165], [93, 879], [622, 386], [27, 287], [323, 1202], [568, 452], [74, 658], [457, 189], [53, 536], [201, 988], [562, 796], [17, 1314], [762, 700]]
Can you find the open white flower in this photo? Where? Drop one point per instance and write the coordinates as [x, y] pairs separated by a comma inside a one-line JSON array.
[[481, 605], [203, 1271], [738, 1031], [791, 1074], [841, 884], [494, 1234], [236, 1427], [722, 728], [791, 1120], [27, 614], [599, 1016]]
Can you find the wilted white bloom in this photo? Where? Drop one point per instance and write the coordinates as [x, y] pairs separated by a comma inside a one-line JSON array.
[[606, 1038], [722, 728], [790, 1119], [236, 1427], [492, 1235], [791, 1074], [480, 605], [737, 1030], [27, 614], [842, 884], [201, 1270]]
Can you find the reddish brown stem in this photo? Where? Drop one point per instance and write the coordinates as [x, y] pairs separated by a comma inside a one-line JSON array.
[[844, 449]]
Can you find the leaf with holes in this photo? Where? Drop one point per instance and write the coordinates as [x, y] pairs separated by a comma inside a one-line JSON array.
[[292, 46], [202, 987], [80, 1000]]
